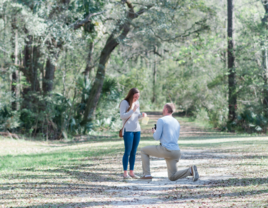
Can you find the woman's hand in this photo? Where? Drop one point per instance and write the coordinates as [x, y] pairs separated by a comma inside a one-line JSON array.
[[144, 115], [135, 107]]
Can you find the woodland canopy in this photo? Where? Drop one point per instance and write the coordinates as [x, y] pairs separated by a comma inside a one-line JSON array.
[[65, 65]]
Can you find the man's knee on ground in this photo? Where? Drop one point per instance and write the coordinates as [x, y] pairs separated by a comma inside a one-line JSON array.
[[172, 178]]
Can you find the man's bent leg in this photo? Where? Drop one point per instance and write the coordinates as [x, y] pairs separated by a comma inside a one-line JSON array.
[[146, 152], [145, 158], [173, 173]]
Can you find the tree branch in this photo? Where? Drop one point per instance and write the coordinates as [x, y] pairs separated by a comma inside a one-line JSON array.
[[134, 15], [187, 32], [142, 10], [108, 19], [156, 53], [86, 20]]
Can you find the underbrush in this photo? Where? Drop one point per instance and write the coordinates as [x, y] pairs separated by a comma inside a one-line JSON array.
[[56, 116], [248, 121]]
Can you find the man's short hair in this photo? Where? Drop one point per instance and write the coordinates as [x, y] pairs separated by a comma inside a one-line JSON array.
[[170, 107]]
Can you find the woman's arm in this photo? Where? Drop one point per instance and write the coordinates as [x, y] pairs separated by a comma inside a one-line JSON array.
[[123, 108]]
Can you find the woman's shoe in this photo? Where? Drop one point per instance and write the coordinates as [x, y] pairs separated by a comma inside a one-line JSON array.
[[134, 176], [126, 177]]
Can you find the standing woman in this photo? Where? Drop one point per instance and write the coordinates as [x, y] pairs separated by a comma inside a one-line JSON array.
[[130, 112]]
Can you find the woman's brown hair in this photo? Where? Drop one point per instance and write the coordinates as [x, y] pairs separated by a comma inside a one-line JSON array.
[[129, 97]]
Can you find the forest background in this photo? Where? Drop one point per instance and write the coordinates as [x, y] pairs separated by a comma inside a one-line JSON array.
[[65, 65]]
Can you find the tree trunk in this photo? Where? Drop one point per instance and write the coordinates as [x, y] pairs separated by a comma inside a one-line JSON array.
[[48, 82], [30, 71], [31, 56], [48, 79], [14, 56], [95, 93], [14, 90], [89, 69], [264, 60], [232, 99], [49, 76], [89, 66], [154, 77]]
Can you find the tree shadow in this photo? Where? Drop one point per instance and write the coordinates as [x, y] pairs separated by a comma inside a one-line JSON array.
[[175, 193], [82, 172]]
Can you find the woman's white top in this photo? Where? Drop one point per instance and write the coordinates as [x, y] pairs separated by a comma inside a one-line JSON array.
[[132, 124]]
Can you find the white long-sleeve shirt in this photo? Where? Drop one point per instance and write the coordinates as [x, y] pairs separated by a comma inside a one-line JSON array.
[[132, 124]]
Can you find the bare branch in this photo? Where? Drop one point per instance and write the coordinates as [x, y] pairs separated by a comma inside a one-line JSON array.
[[142, 10], [134, 15], [86, 20], [156, 53], [187, 32], [108, 19]]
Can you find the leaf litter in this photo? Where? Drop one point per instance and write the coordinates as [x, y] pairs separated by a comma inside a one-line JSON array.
[[231, 175]]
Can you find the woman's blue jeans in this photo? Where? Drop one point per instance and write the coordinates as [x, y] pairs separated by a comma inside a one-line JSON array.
[[131, 140]]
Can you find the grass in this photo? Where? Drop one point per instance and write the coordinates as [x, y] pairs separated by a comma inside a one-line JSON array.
[[205, 124], [53, 156], [89, 173], [43, 154]]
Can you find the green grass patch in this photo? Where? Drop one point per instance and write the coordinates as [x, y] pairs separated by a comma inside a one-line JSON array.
[[63, 156]]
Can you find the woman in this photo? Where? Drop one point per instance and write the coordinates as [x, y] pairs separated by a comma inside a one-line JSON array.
[[130, 113]]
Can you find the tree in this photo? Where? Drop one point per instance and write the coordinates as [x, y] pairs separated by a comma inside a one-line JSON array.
[[232, 99], [119, 34], [14, 57], [264, 58], [164, 29]]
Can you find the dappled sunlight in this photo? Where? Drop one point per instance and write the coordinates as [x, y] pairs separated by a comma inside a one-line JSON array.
[[89, 173]]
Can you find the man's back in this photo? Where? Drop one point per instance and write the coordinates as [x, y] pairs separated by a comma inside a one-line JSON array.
[[168, 132]]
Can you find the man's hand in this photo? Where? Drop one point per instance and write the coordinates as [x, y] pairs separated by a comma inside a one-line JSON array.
[[153, 130]]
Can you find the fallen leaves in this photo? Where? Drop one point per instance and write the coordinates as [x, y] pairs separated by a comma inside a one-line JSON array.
[[96, 181]]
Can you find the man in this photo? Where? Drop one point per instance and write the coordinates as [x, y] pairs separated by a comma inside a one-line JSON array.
[[168, 132]]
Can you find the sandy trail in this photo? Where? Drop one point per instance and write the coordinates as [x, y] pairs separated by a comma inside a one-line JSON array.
[[99, 182], [154, 193]]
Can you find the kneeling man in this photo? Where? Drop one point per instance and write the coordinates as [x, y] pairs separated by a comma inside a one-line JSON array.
[[168, 132]]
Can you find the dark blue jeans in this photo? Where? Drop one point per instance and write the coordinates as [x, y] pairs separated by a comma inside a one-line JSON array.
[[131, 140]]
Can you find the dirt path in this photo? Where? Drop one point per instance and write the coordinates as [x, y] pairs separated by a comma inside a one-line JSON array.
[[157, 193], [99, 182]]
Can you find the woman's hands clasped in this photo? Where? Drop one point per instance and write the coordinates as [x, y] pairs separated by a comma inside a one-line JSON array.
[[135, 107]]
